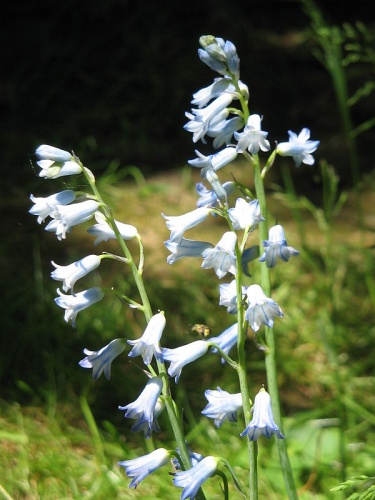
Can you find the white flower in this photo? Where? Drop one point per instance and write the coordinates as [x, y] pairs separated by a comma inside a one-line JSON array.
[[222, 257], [65, 217], [73, 272], [141, 467], [45, 206], [185, 248], [56, 162], [178, 224], [73, 304], [276, 247], [45, 152], [191, 480], [245, 214], [262, 309], [252, 138], [104, 232], [183, 355], [299, 147], [148, 344], [214, 161], [222, 406], [228, 296], [100, 361]]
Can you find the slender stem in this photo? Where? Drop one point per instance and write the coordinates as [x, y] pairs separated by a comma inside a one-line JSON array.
[[270, 359]]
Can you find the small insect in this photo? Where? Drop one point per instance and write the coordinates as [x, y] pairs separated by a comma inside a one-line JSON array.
[[202, 330]]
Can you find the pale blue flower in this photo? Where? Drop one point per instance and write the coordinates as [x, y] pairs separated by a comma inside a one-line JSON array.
[[276, 247], [104, 232], [194, 458], [146, 408], [45, 206], [182, 356], [228, 296], [262, 421], [191, 480], [100, 361], [73, 272], [245, 214], [226, 340], [215, 161], [261, 309], [252, 138], [222, 406], [299, 147], [141, 467], [222, 257], [205, 95], [178, 224], [45, 152], [222, 131], [73, 304], [208, 197], [65, 217], [219, 55], [185, 248], [213, 179], [201, 118], [148, 345]]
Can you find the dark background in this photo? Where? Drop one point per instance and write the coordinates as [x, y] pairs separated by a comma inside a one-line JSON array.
[[112, 80]]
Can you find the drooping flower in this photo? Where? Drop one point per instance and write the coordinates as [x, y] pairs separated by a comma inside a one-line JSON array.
[[183, 355], [191, 480], [276, 247], [222, 406], [148, 344], [194, 458], [252, 138], [101, 361], [73, 272], [222, 257], [178, 224], [45, 152], [299, 147], [65, 217], [56, 162], [104, 232], [141, 467], [228, 296], [226, 340], [146, 408], [215, 161], [185, 248], [208, 197], [73, 304], [45, 206], [222, 130], [262, 421], [261, 309], [245, 214], [205, 95]]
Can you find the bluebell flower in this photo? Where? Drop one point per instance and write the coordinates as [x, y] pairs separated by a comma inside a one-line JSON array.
[[261, 309], [219, 55], [194, 458], [73, 272], [226, 340], [43, 207], [183, 355], [101, 361], [276, 247], [215, 161], [208, 197], [148, 344], [222, 257], [191, 480], [245, 214], [299, 147], [222, 406], [45, 152], [252, 138], [141, 467], [185, 248], [212, 178], [104, 232], [262, 421], [205, 95], [178, 224], [65, 217], [146, 408], [73, 304], [228, 296], [200, 119], [55, 162], [222, 130]]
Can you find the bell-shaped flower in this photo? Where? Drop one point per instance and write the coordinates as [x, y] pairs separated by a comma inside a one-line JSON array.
[[194, 458], [276, 247], [245, 214], [182, 356], [222, 257], [262, 421], [73, 304], [56, 162], [146, 408], [45, 152], [228, 296], [208, 197], [226, 340], [103, 231], [252, 138], [185, 248], [178, 224], [65, 217], [191, 480], [148, 345], [73, 272], [44, 207], [215, 161], [222, 406], [261, 309], [101, 361], [222, 131], [141, 467], [205, 95], [299, 147], [200, 119]]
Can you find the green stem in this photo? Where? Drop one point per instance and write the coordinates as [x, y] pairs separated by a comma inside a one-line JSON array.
[[270, 359]]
